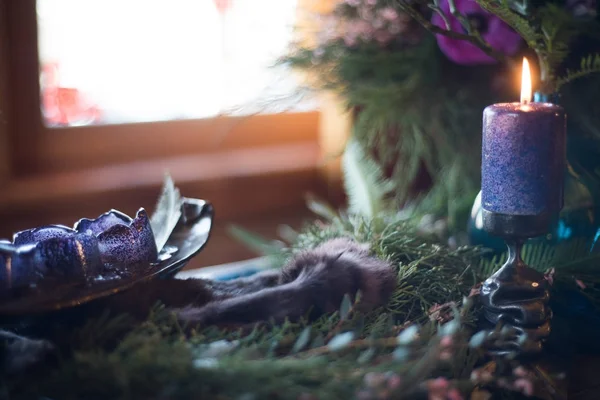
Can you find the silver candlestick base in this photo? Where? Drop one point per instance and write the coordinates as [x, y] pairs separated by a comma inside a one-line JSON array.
[[517, 295]]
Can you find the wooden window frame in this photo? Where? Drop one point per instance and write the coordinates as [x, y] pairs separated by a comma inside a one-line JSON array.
[[256, 170], [39, 149]]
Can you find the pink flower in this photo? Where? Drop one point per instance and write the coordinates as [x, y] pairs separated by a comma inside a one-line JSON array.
[[374, 379], [364, 29], [358, 29], [549, 276], [525, 386], [365, 13], [350, 39], [394, 382], [493, 30], [475, 290], [378, 23], [438, 386], [383, 37], [520, 372], [440, 383], [446, 341], [481, 375], [352, 3], [388, 13], [454, 394], [580, 284]]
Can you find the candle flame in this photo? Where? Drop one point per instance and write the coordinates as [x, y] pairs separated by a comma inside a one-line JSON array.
[[525, 83]]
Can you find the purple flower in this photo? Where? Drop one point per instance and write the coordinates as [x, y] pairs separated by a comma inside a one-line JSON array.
[[493, 30]]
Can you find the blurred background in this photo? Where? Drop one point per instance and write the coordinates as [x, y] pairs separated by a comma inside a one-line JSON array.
[[99, 98]]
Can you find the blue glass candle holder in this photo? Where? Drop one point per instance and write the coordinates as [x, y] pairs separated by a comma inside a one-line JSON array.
[[580, 218]]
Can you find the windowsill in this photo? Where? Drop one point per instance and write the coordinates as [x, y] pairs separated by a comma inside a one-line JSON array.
[[76, 148], [185, 169], [237, 182]]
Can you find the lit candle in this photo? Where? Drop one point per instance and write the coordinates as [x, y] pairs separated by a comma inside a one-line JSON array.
[[523, 155]]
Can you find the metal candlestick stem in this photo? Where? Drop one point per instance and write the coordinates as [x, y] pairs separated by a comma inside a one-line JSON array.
[[517, 295]]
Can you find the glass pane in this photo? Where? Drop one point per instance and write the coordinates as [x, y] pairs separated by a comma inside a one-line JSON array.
[[122, 61]]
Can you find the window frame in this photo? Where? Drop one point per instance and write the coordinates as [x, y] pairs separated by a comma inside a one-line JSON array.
[[255, 170], [36, 149]]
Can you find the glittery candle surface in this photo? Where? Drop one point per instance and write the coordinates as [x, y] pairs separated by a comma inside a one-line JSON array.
[[523, 158]]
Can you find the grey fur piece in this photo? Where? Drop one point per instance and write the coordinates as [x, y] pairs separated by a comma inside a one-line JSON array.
[[314, 279], [312, 283], [20, 353]]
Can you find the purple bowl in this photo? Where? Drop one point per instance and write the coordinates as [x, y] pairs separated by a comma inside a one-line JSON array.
[[94, 248], [56, 267], [121, 240]]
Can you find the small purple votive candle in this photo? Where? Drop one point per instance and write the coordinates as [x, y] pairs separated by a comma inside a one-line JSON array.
[[523, 158]]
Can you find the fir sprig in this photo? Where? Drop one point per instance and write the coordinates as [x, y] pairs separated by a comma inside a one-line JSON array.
[[558, 30], [404, 350], [150, 363], [589, 65], [503, 9]]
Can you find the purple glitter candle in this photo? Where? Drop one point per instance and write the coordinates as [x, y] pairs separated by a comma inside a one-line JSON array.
[[523, 158]]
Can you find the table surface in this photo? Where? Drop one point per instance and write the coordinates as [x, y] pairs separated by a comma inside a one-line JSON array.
[[227, 271]]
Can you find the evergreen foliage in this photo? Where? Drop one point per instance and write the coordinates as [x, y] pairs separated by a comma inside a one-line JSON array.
[[364, 182], [414, 110], [589, 65], [424, 342]]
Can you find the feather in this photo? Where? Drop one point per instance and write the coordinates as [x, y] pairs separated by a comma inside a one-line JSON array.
[[364, 181], [167, 213]]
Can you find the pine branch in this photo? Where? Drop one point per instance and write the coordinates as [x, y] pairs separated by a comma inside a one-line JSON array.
[[557, 30], [502, 9], [524, 28], [292, 360], [589, 65], [548, 32]]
